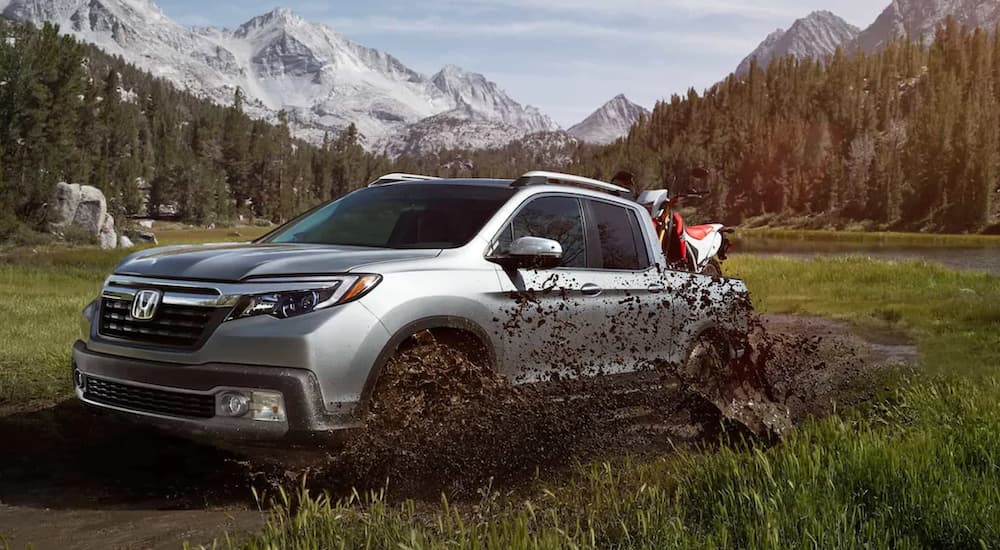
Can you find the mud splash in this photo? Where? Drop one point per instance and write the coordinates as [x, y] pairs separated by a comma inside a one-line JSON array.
[[445, 424]]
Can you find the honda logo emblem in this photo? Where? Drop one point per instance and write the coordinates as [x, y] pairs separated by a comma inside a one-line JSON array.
[[144, 304]]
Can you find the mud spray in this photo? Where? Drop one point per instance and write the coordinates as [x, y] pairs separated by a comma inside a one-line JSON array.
[[442, 422]]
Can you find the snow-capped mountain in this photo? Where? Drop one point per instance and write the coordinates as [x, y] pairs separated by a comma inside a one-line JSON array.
[[475, 95], [323, 80], [817, 35], [612, 121], [918, 19]]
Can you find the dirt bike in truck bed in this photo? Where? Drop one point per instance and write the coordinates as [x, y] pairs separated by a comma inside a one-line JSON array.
[[289, 334]]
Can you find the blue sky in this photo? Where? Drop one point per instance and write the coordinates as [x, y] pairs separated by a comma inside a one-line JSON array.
[[566, 57]]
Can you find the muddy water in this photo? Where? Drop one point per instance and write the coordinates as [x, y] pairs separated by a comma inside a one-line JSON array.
[[968, 258]]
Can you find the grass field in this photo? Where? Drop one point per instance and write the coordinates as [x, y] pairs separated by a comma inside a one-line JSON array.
[[918, 469], [42, 292]]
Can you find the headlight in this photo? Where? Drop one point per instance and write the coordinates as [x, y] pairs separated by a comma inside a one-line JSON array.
[[292, 303]]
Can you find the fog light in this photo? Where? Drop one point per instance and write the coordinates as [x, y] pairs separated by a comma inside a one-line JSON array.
[[268, 407], [233, 404], [81, 380]]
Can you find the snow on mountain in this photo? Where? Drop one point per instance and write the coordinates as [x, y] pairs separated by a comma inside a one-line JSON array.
[[283, 62], [473, 92], [484, 117], [612, 121], [919, 18], [817, 35], [459, 128]]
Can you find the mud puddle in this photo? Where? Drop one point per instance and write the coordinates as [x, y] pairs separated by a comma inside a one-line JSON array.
[[69, 478]]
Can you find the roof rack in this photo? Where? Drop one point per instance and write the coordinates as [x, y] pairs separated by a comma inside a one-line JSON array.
[[555, 178], [396, 178]]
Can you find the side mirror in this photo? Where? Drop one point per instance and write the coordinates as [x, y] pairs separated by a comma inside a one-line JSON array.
[[531, 253]]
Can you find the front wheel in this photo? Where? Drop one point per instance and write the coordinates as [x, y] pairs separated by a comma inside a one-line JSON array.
[[430, 380]]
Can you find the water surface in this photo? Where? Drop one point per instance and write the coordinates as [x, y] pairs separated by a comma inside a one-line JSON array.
[[982, 258]]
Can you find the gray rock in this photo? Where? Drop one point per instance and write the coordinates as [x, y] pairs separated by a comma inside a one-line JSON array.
[[83, 207], [125, 242], [148, 224], [63, 205], [142, 236], [106, 234], [92, 210]]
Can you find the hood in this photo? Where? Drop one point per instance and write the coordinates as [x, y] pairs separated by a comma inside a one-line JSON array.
[[236, 262]]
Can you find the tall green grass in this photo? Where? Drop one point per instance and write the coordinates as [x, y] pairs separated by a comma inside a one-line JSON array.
[[921, 469]]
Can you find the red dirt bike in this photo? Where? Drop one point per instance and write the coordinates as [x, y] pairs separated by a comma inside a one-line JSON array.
[[696, 248]]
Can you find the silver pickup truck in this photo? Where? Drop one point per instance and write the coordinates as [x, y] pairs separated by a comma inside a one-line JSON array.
[[547, 276]]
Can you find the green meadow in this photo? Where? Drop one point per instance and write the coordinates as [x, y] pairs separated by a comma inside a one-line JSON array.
[[42, 291], [919, 468]]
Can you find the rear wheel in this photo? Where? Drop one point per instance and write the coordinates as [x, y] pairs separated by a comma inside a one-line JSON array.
[[705, 367], [713, 269], [734, 387]]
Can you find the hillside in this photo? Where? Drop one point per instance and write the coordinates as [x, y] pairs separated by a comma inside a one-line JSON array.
[[905, 138], [70, 112]]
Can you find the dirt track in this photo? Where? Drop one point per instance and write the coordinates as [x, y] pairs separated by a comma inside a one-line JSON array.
[[69, 479]]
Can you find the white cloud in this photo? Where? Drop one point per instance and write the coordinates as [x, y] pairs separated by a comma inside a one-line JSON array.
[[861, 12], [546, 29]]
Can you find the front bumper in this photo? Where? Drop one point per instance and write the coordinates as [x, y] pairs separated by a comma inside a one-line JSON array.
[[306, 414]]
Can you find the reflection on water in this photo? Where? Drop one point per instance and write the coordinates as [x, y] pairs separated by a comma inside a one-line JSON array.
[[978, 259]]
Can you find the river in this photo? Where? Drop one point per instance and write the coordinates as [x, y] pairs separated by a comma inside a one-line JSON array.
[[984, 258]]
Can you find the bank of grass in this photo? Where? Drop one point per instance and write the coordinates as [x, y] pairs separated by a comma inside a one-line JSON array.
[[920, 469], [42, 291], [914, 240]]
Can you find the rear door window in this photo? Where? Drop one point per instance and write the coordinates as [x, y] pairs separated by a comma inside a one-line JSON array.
[[556, 218], [618, 243]]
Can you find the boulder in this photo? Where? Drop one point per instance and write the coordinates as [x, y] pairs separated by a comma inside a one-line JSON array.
[[106, 235], [92, 211], [83, 207], [125, 242], [62, 207], [146, 224]]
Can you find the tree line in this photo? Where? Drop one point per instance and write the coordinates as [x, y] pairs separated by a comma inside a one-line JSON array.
[[907, 138], [70, 112]]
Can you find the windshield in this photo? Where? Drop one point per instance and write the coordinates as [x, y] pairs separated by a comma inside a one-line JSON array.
[[408, 215]]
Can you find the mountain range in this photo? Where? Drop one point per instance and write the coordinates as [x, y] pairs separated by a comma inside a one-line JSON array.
[[324, 81], [819, 34], [319, 78]]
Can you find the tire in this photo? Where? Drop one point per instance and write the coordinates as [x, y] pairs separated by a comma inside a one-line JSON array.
[[705, 367], [713, 269], [429, 380]]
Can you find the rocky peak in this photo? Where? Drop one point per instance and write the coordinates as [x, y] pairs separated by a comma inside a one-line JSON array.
[[817, 35], [474, 93], [611, 121], [281, 18], [919, 19]]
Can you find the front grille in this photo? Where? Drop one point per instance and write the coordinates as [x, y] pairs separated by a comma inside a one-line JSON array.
[[149, 400], [172, 326]]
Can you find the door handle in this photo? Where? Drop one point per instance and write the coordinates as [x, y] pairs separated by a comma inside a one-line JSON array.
[[590, 289], [657, 288]]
